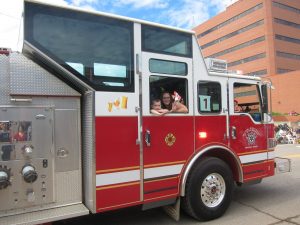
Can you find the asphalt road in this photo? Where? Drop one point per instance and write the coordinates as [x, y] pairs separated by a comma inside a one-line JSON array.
[[275, 201]]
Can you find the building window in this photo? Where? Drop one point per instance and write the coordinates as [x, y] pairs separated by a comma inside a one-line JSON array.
[[288, 55], [249, 59], [237, 47], [209, 97], [288, 23], [159, 40], [247, 12], [280, 70], [258, 73], [168, 67], [286, 7], [288, 39], [237, 32]]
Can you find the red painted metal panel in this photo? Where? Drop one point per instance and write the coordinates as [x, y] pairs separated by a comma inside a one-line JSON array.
[[117, 197], [258, 170], [116, 142], [250, 137], [154, 189], [116, 150], [172, 138], [215, 128], [172, 142]]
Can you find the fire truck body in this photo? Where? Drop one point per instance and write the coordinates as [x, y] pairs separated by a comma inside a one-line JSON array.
[[78, 136]]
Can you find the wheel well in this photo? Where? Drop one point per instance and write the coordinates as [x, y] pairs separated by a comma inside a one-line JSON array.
[[227, 158], [223, 154]]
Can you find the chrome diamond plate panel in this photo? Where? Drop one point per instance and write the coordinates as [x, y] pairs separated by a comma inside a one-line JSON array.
[[28, 78], [4, 80]]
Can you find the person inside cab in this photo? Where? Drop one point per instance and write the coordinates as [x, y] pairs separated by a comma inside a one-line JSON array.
[[237, 108], [156, 108], [172, 103]]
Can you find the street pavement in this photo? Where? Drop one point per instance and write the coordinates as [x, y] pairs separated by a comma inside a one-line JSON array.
[[275, 201]]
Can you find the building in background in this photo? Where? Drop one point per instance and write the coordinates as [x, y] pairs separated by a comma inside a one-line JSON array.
[[285, 96], [258, 37]]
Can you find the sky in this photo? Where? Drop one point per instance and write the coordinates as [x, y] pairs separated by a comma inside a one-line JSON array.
[[179, 13]]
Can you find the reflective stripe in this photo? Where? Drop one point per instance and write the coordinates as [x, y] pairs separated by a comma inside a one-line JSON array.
[[134, 175], [118, 177], [253, 157], [271, 155], [162, 171]]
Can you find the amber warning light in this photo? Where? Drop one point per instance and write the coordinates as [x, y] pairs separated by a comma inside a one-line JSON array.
[[202, 135]]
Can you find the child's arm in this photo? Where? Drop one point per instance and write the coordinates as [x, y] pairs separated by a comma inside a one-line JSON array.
[[155, 112]]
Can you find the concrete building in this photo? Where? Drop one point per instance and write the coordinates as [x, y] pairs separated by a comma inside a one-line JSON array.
[[258, 37], [285, 96]]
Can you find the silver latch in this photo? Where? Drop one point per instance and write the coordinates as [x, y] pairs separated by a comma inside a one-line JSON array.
[[148, 138]]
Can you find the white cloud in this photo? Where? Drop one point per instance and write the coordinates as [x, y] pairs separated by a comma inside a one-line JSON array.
[[10, 23], [83, 2], [138, 4], [11, 29], [194, 12]]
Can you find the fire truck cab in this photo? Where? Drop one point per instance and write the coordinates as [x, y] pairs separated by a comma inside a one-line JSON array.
[[77, 135]]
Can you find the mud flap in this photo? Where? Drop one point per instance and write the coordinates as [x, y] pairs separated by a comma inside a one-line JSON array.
[[173, 210]]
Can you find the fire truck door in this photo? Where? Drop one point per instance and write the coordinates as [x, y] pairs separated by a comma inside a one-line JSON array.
[[168, 139], [246, 128]]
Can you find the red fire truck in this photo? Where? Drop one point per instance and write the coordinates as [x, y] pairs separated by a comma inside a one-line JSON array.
[[77, 135]]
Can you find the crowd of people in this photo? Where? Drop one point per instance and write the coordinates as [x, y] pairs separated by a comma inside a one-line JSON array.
[[286, 135]]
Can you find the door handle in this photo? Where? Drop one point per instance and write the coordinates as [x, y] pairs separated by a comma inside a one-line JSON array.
[[233, 132], [148, 138]]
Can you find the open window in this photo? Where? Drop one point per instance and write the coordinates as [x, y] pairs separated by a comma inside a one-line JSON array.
[[247, 100], [161, 84]]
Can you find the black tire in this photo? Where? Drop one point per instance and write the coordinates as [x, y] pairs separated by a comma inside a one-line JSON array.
[[216, 173]]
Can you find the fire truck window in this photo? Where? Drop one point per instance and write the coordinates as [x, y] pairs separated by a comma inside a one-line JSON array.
[[77, 66], [96, 49], [209, 97], [167, 67], [247, 100], [164, 41], [173, 85]]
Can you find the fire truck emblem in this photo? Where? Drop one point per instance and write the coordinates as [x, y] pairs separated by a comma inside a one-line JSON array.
[[250, 135], [170, 139]]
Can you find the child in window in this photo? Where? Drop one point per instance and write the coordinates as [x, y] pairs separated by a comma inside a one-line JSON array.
[[156, 108]]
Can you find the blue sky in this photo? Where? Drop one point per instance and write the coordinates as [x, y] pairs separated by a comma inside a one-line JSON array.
[[179, 13]]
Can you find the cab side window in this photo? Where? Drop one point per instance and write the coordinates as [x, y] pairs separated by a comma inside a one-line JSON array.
[[247, 100], [170, 91], [209, 97]]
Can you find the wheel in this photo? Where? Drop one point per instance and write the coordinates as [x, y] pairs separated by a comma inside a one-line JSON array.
[[209, 189]]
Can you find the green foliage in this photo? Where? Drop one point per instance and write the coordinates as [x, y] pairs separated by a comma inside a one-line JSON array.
[[277, 114]]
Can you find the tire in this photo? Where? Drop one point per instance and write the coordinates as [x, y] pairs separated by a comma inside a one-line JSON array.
[[209, 189]]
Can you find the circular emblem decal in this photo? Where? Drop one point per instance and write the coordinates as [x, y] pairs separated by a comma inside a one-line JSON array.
[[170, 139], [250, 135]]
